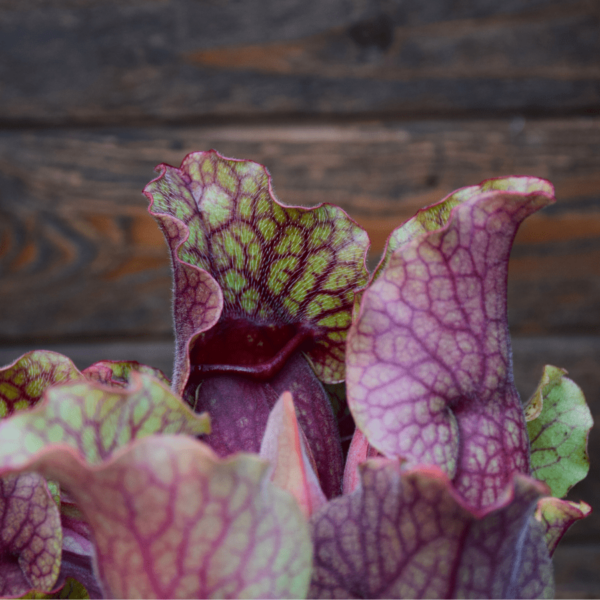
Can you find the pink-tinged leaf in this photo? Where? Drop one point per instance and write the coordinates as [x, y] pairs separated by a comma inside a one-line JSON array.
[[172, 520], [359, 451], [558, 423], [293, 468], [429, 366], [287, 274], [406, 534], [30, 535], [316, 419], [556, 516], [23, 382], [96, 420], [118, 372]]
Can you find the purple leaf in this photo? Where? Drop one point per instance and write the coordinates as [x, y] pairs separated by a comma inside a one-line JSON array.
[[30, 535], [293, 467], [317, 420], [239, 409], [406, 534], [429, 370]]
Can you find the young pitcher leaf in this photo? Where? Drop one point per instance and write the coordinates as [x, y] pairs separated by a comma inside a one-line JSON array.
[[405, 534], [429, 372], [556, 516], [293, 467], [359, 451], [559, 425], [172, 520], [96, 420], [23, 382], [317, 420], [30, 535], [287, 274]]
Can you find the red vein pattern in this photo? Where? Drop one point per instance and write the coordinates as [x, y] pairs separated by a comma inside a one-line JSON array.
[[429, 366], [405, 534], [23, 382], [275, 266], [96, 420], [171, 520], [30, 544]]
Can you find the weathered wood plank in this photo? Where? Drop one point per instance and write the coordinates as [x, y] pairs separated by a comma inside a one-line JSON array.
[[576, 570], [103, 61], [80, 256]]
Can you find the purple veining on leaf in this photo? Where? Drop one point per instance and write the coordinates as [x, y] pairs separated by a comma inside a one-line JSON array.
[[287, 273], [171, 520], [317, 420], [429, 370], [96, 419], [23, 382], [30, 535], [285, 278], [559, 423], [407, 534]]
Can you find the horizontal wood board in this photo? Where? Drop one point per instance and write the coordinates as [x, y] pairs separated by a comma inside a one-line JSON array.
[[80, 256], [67, 61]]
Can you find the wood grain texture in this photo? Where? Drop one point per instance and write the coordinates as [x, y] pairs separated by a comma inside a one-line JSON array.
[[80, 256], [576, 568], [67, 61]]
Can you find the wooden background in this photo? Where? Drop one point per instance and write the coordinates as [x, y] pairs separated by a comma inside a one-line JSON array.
[[378, 106]]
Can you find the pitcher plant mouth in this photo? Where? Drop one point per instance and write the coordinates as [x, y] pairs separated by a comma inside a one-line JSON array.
[[237, 346]]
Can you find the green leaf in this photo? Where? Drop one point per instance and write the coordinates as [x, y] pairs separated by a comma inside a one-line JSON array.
[[559, 423], [96, 420], [23, 382]]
